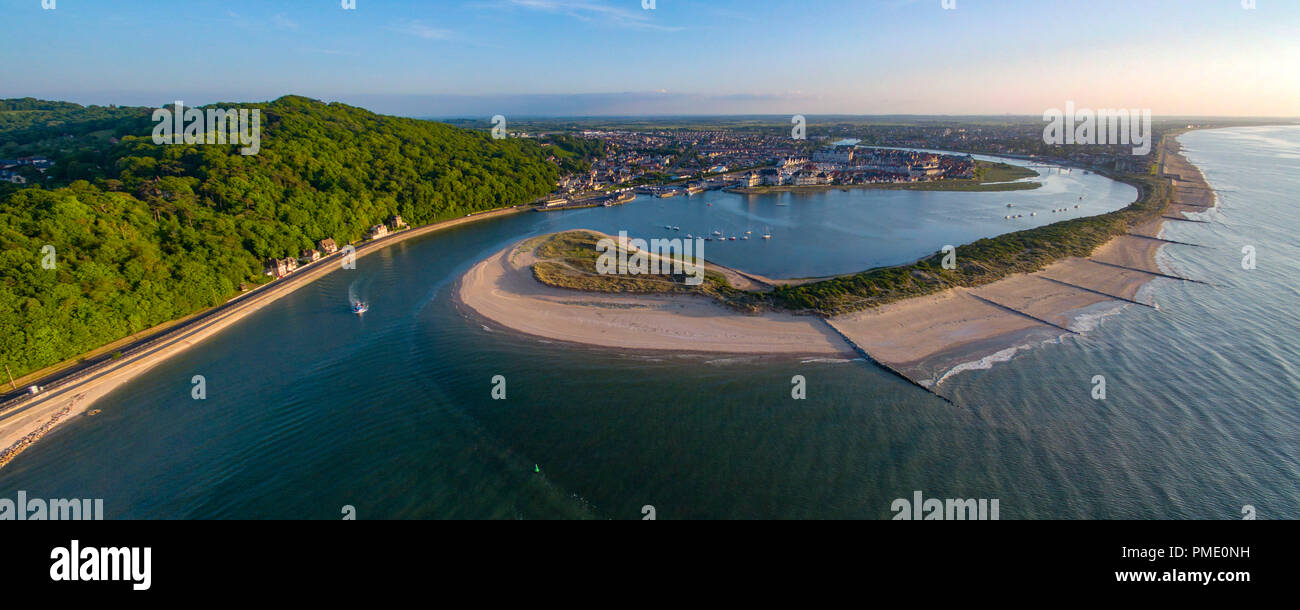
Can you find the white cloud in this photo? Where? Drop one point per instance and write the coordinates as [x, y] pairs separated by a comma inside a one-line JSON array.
[[280, 20], [421, 30], [586, 10]]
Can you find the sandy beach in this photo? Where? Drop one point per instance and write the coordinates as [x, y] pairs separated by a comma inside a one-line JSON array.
[[503, 290], [924, 338]]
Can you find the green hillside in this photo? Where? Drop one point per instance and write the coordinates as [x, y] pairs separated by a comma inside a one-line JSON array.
[[157, 232]]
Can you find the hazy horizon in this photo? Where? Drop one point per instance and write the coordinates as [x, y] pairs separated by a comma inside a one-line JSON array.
[[594, 58]]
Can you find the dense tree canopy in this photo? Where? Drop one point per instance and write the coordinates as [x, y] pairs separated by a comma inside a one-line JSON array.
[[152, 233]]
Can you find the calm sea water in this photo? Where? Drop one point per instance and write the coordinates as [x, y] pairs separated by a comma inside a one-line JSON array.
[[311, 408]]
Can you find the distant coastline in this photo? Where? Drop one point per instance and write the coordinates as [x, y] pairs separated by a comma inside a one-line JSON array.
[[1007, 178], [938, 185]]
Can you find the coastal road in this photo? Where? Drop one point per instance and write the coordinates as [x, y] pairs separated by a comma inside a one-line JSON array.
[[25, 417]]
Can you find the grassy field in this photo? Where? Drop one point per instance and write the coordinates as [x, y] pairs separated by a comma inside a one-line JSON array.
[[989, 177], [568, 260], [988, 171]]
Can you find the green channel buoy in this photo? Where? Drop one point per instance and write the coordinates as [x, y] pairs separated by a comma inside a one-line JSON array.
[[536, 469]]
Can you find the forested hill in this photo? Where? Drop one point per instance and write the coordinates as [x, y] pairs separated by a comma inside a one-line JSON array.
[[158, 232], [28, 121]]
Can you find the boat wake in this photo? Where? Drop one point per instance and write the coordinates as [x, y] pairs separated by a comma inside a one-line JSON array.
[[357, 292]]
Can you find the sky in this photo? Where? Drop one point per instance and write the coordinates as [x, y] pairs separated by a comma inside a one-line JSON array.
[[444, 58]]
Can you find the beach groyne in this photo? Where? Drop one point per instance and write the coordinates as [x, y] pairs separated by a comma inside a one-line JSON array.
[[948, 330]]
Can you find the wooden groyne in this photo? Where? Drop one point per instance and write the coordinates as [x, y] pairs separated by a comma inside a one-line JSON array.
[[1204, 222], [1100, 293], [1168, 241], [1156, 273], [869, 358], [1021, 313]]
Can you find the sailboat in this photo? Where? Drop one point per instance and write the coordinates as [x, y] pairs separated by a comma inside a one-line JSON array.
[[767, 234]]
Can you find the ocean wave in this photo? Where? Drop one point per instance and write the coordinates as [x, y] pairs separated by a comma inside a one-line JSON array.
[[1165, 263], [1089, 318], [984, 363], [1146, 294], [728, 361]]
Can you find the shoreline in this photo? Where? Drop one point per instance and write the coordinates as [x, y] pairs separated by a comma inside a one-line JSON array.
[[927, 338], [963, 185], [25, 421], [946, 186], [502, 289]]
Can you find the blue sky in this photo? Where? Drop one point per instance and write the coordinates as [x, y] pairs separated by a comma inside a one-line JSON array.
[[581, 57]]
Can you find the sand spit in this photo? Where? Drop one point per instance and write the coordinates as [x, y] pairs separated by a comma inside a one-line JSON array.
[[502, 289]]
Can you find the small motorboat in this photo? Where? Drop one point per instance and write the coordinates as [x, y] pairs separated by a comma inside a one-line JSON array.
[[360, 308]]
